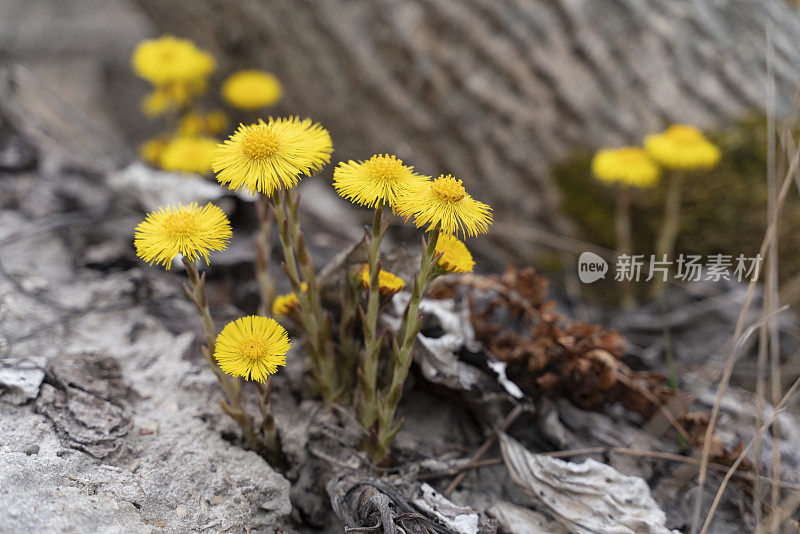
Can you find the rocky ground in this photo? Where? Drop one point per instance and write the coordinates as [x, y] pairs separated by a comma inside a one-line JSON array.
[[110, 418]]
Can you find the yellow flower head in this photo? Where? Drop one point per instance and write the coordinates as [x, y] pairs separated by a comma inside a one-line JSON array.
[[388, 284], [156, 103], [251, 89], [445, 202], [456, 258], [151, 150], [682, 147], [286, 303], [252, 347], [272, 155], [169, 60], [629, 166], [382, 179], [188, 230], [216, 121], [192, 124], [189, 154]]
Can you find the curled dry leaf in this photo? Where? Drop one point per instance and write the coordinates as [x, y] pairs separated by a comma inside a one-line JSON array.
[[587, 498]]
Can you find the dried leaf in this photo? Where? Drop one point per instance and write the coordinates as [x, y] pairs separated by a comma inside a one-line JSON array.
[[588, 498]]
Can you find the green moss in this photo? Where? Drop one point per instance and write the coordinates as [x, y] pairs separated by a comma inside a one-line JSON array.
[[723, 210]]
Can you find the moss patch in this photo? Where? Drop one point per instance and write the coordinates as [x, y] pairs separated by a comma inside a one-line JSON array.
[[723, 210]]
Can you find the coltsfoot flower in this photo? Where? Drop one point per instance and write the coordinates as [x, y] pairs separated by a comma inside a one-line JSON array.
[[188, 230], [382, 179], [445, 202], [151, 150], [629, 166], [388, 283], [286, 303], [682, 147], [456, 257], [272, 155], [189, 154], [251, 89], [252, 347], [171, 61]]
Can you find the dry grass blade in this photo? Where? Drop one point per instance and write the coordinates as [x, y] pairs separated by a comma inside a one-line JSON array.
[[731, 360], [743, 454]]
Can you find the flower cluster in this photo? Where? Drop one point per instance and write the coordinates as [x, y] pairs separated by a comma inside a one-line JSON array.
[[268, 158], [179, 73], [680, 149]]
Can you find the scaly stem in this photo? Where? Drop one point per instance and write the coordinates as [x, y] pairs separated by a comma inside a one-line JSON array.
[[368, 370], [348, 345], [408, 331], [266, 284], [321, 366], [270, 437], [622, 229], [232, 385], [670, 226]]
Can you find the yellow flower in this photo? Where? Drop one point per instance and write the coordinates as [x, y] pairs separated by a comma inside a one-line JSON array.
[[285, 304], [445, 202], [382, 179], [151, 150], [456, 258], [682, 147], [156, 103], [192, 124], [272, 155], [388, 284], [630, 166], [251, 89], [169, 60], [188, 230], [216, 121], [252, 347], [189, 154]]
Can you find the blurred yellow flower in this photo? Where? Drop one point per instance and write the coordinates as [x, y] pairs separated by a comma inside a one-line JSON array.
[[168, 60], [388, 284], [456, 257], [445, 202], [286, 303], [216, 121], [251, 89], [682, 147], [629, 166], [194, 124], [188, 230], [191, 124], [189, 154], [252, 347], [150, 151], [382, 179], [272, 155]]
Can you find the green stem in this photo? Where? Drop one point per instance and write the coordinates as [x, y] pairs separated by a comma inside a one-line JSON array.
[[230, 384], [270, 436], [266, 284], [670, 226], [408, 331], [321, 366], [348, 345], [622, 229], [368, 370]]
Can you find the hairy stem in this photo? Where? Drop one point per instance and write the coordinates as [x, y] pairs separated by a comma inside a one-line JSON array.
[[368, 370], [230, 384], [263, 241], [412, 321]]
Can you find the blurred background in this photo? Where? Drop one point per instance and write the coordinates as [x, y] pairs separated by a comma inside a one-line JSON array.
[[515, 97]]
